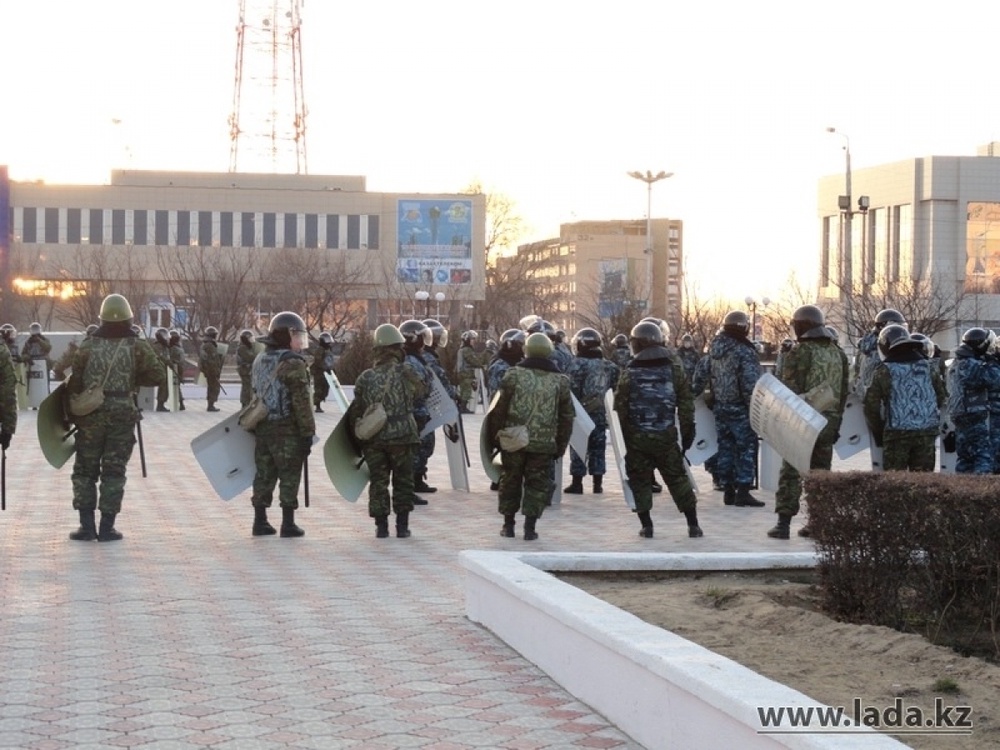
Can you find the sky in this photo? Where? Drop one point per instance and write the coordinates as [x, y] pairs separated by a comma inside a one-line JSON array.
[[548, 102]]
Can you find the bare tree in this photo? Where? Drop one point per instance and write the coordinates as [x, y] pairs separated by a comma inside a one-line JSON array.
[[516, 285], [504, 225], [102, 271]]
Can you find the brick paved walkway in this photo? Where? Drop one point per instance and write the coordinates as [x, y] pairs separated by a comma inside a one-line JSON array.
[[190, 633]]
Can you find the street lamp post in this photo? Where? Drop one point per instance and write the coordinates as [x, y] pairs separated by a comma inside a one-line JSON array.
[[439, 298], [846, 239], [649, 178], [751, 304], [422, 296]]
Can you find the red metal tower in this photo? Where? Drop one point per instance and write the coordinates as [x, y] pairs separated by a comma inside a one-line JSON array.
[[267, 127]]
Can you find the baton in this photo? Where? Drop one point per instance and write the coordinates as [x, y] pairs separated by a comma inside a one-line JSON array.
[[305, 479], [138, 433], [461, 436], [3, 481]]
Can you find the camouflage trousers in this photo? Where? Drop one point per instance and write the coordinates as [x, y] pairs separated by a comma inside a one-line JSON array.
[[908, 451], [597, 445], [179, 379], [526, 483], [644, 452], [162, 395], [737, 445], [278, 456], [426, 448], [104, 444], [466, 378], [321, 389], [974, 454], [246, 389], [390, 463], [214, 387], [789, 492]]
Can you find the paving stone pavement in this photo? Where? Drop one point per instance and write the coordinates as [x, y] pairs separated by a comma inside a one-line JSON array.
[[190, 633]]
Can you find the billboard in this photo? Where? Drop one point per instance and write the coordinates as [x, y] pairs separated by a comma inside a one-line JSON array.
[[434, 241]]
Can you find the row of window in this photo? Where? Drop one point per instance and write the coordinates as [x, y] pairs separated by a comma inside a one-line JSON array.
[[126, 226]]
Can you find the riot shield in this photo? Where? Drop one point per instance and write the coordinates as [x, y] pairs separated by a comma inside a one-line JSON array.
[[947, 454], [146, 398], [21, 387], [491, 462], [38, 382], [337, 392], [56, 434], [583, 426], [441, 406], [225, 453], [854, 435], [344, 464], [706, 441], [618, 447], [785, 421]]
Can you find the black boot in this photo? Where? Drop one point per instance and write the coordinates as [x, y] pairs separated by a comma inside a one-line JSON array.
[[107, 533], [403, 525], [694, 530], [261, 526], [507, 529], [575, 487], [381, 527], [657, 487], [420, 485], [212, 406], [288, 527], [319, 409], [529, 528], [598, 484], [781, 529], [88, 527], [647, 525], [745, 500], [729, 495], [162, 407]]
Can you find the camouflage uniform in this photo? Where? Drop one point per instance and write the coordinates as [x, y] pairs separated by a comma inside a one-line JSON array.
[[731, 370], [689, 357], [433, 365], [590, 377], [177, 361], [105, 437], [245, 356], [8, 395], [210, 364], [162, 350], [652, 397], [422, 415], [37, 346], [903, 409], [865, 362], [810, 363], [281, 378], [467, 361], [65, 361], [322, 363], [562, 356], [497, 369], [532, 393], [970, 378], [396, 384]]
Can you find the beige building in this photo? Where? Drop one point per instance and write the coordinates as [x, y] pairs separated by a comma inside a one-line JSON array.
[[392, 247], [933, 220], [594, 269]]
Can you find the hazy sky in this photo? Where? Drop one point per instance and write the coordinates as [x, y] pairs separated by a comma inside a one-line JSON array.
[[550, 102]]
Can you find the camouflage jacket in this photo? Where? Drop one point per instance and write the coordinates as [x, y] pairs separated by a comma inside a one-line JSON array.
[[732, 372], [906, 395], [562, 356], [433, 363], [533, 393], [653, 394], [815, 362], [162, 351], [495, 372], [970, 380], [245, 355], [65, 361], [689, 361], [419, 365], [322, 359], [621, 356], [468, 359], [36, 347], [122, 365], [8, 392], [394, 383], [281, 379], [590, 377], [866, 361], [210, 360], [177, 360]]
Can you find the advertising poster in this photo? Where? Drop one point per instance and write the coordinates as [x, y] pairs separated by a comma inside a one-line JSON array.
[[435, 241]]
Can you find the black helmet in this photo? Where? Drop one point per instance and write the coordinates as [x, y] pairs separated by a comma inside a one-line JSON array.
[[620, 341], [887, 317], [513, 340], [560, 336], [326, 339], [736, 323], [586, 339], [246, 336], [416, 334], [645, 335], [282, 327], [808, 322], [979, 340], [161, 335], [927, 346], [438, 332], [542, 326], [213, 333], [175, 335], [491, 346], [470, 337], [8, 332], [892, 337], [686, 339], [664, 326]]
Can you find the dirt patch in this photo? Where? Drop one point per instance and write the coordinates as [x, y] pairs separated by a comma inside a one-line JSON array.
[[772, 623]]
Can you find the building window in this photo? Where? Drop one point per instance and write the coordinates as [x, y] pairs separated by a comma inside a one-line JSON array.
[[96, 226], [73, 232], [247, 229], [205, 228], [29, 225], [269, 231], [183, 228], [332, 230], [118, 226], [139, 227], [373, 232], [291, 230], [162, 228], [312, 230], [52, 225], [226, 229]]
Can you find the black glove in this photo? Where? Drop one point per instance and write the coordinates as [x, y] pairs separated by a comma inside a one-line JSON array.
[[687, 440], [306, 444], [877, 438], [949, 443], [5, 438]]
